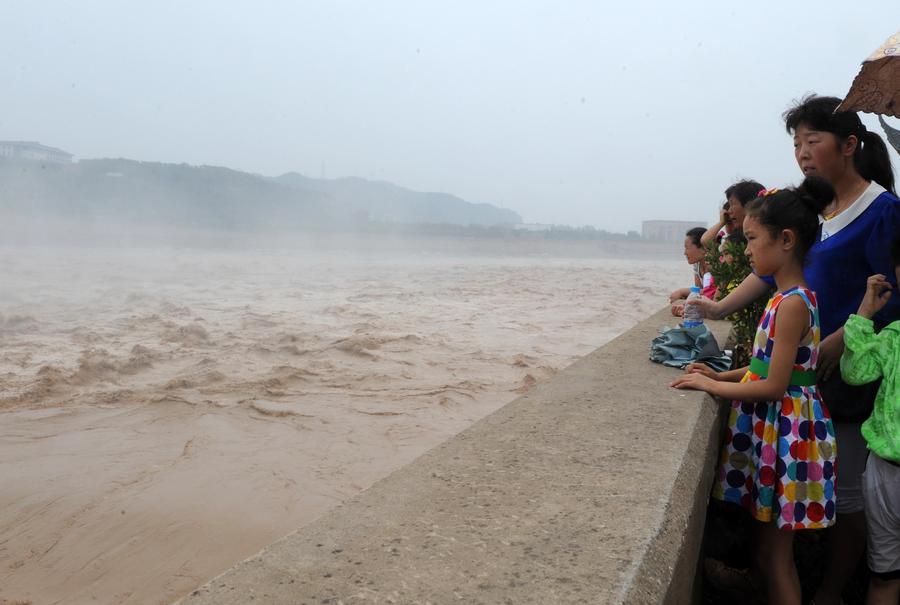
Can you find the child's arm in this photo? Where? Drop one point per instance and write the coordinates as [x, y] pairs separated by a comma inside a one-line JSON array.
[[793, 323], [865, 351], [733, 375], [680, 293], [746, 292], [711, 233], [727, 376]]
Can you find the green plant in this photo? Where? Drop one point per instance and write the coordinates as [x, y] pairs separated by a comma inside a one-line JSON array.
[[729, 267]]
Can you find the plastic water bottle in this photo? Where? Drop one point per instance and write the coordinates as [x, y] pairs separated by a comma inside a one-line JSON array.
[[693, 314]]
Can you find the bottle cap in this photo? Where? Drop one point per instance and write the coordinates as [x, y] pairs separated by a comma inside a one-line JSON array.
[[695, 289]]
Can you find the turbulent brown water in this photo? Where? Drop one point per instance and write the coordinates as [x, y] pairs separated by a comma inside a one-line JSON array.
[[165, 414]]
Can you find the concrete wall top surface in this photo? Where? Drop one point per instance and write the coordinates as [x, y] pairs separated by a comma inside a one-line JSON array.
[[584, 490]]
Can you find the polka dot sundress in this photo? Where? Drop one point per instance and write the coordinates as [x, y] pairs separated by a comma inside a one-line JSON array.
[[779, 457]]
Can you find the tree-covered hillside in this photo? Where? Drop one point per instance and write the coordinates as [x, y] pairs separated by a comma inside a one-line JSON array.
[[213, 197]]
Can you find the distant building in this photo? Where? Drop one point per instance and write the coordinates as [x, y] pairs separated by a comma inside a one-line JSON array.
[[532, 227], [30, 150], [668, 231]]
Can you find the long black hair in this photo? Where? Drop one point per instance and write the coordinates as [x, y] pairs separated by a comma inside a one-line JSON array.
[[870, 158], [795, 208]]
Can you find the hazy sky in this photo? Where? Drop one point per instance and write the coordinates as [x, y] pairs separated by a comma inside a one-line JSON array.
[[567, 112]]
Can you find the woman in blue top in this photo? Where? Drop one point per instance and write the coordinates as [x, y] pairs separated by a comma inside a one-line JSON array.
[[853, 243]]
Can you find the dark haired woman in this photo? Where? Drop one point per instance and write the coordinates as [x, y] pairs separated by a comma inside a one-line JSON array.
[[731, 218], [778, 460], [853, 242]]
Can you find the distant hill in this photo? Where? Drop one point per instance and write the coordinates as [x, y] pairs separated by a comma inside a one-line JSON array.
[[386, 202], [214, 197]]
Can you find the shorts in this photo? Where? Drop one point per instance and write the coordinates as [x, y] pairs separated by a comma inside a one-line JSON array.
[[881, 492], [851, 462]]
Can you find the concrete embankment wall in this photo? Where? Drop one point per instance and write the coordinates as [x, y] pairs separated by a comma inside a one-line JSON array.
[[591, 488]]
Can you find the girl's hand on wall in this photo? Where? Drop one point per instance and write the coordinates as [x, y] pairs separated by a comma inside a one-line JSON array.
[[696, 382], [701, 368]]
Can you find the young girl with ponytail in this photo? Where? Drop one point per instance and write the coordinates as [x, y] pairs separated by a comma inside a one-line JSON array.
[[852, 243], [778, 460]]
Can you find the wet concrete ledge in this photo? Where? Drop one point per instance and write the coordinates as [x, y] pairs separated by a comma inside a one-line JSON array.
[[591, 488]]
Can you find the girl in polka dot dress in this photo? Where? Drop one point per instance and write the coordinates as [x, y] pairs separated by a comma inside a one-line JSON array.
[[778, 460]]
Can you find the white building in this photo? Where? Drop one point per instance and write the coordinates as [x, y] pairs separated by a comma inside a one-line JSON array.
[[532, 227], [668, 231], [30, 150]]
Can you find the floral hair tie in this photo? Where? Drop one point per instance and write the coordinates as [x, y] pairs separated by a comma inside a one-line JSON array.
[[766, 192]]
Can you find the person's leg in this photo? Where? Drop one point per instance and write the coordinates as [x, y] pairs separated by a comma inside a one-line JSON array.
[[883, 592], [847, 538], [775, 560], [881, 494], [846, 544]]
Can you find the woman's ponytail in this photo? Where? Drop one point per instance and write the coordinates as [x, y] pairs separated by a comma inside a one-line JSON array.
[[872, 160]]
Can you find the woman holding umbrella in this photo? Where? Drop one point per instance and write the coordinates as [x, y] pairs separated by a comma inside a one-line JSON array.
[[853, 243]]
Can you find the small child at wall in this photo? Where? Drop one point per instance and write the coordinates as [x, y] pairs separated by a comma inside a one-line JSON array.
[[867, 357], [778, 460], [695, 255]]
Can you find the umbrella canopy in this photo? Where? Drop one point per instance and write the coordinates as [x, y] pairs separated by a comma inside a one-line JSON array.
[[876, 88]]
